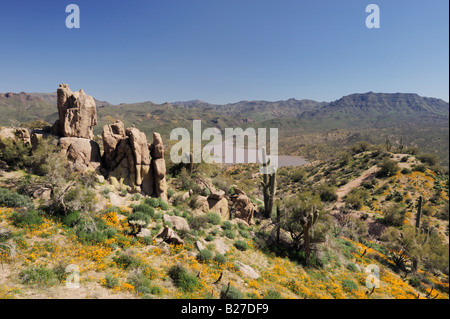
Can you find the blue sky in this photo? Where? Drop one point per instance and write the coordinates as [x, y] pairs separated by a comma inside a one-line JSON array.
[[224, 51]]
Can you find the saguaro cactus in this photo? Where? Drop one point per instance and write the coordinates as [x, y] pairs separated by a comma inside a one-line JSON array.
[[269, 184], [307, 221], [419, 212]]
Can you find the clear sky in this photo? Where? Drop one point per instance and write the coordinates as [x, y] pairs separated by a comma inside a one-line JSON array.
[[224, 51]]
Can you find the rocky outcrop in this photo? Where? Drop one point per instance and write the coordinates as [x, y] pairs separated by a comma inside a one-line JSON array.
[[171, 237], [82, 152], [178, 223], [159, 166], [77, 114], [243, 207], [127, 159], [16, 134]]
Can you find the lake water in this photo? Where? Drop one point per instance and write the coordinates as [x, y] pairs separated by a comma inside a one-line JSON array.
[[231, 154]]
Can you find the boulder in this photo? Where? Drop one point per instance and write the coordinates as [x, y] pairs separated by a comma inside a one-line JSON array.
[[221, 247], [83, 153], [170, 236], [145, 232], [219, 207], [158, 167], [179, 223], [242, 206], [77, 113], [247, 271]]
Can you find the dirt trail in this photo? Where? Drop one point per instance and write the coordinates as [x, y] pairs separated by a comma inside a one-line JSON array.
[[344, 190]]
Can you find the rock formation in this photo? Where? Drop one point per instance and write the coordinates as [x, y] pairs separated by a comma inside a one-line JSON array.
[[243, 207], [127, 158], [77, 114]]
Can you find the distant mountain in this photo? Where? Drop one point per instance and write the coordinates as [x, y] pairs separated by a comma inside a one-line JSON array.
[[355, 110]]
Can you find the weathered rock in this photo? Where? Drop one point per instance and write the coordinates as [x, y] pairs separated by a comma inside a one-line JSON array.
[[145, 232], [221, 247], [243, 207], [247, 271], [16, 134], [36, 138], [111, 136], [159, 167], [219, 207], [200, 204], [200, 245], [179, 223], [77, 113], [170, 236], [217, 195], [83, 153]]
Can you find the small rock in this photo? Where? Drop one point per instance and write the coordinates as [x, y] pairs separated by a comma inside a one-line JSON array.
[[248, 271], [145, 232], [179, 223], [200, 245], [221, 247]]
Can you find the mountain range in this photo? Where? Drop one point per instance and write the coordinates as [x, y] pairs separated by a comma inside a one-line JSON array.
[[420, 121]]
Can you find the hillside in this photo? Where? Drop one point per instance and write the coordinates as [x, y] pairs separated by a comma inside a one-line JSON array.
[[353, 232]]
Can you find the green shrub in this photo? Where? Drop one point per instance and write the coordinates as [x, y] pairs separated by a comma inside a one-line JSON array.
[[272, 294], [230, 292], [71, 219], [139, 216], [163, 205], [205, 256], [213, 218], [13, 200], [229, 233], [429, 159], [388, 168], [144, 208], [393, 215], [111, 282], [198, 222], [327, 193], [27, 218], [349, 285], [41, 276], [220, 259], [241, 245], [419, 168], [170, 193], [15, 154], [183, 279], [126, 261], [406, 171], [244, 233], [352, 267], [355, 198], [154, 202], [209, 237], [227, 225]]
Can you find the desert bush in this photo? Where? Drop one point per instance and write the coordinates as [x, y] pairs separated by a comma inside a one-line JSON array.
[[27, 218], [229, 233], [213, 218], [205, 256], [183, 279], [226, 225], [393, 215], [241, 245], [230, 292], [355, 198], [429, 159], [198, 222], [349, 285], [111, 282], [144, 208], [41, 276], [327, 193], [220, 259], [388, 168], [15, 154], [13, 200]]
